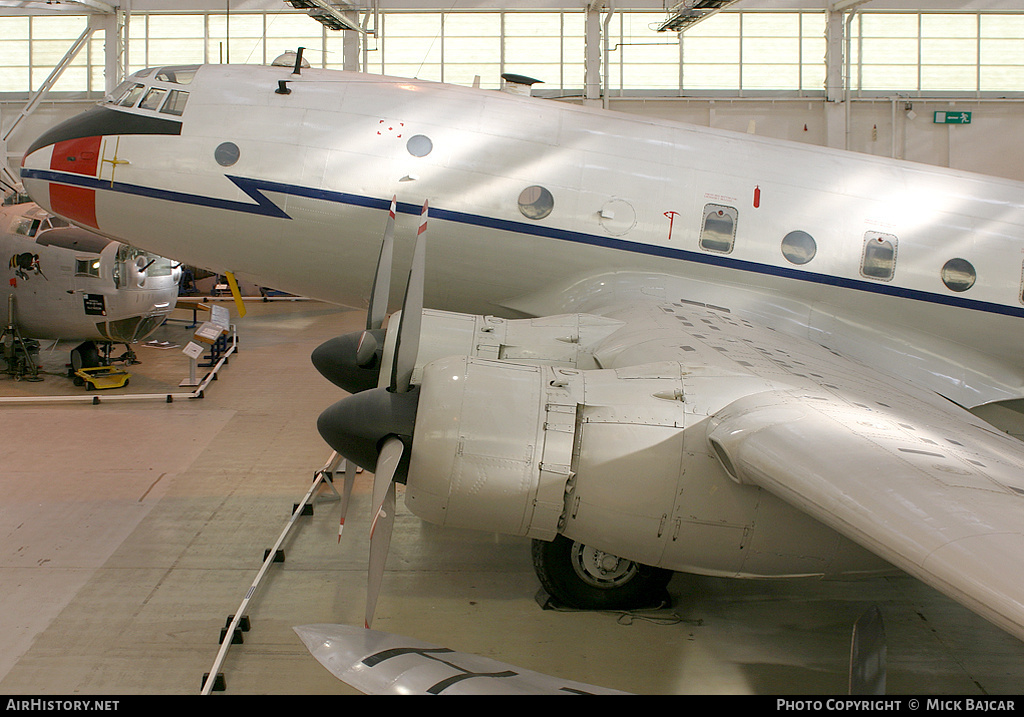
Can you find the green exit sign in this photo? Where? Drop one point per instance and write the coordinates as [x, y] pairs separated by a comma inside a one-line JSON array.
[[952, 118]]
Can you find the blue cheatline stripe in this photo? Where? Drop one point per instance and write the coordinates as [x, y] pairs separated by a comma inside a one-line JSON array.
[[263, 205], [254, 188]]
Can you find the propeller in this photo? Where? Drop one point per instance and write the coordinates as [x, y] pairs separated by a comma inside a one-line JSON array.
[[373, 427], [352, 361], [383, 519]]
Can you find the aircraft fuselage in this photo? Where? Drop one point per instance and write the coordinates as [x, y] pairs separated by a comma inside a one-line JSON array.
[[70, 284], [544, 208], [903, 266]]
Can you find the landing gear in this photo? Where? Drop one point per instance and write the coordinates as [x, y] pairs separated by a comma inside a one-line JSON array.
[[579, 576], [85, 355]]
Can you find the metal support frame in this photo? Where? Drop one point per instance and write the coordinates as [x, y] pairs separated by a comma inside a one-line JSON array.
[[328, 14], [40, 94], [321, 476], [593, 52]]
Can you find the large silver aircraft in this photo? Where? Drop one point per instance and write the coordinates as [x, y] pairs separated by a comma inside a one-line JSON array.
[[682, 349], [63, 282]]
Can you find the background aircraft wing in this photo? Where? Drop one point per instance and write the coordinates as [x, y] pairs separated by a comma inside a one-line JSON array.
[[928, 487], [379, 663]]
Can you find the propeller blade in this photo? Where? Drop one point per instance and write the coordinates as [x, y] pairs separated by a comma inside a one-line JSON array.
[[352, 361], [408, 340], [383, 520], [381, 289], [346, 495]]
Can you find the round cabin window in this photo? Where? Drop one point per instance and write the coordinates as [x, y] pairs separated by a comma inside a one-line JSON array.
[[799, 247], [536, 202], [226, 154], [958, 275], [419, 145]]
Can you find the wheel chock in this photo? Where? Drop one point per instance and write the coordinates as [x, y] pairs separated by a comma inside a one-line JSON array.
[[307, 508], [278, 555]]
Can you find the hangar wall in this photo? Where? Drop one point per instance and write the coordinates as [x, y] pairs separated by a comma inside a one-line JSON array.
[[880, 120], [886, 127]]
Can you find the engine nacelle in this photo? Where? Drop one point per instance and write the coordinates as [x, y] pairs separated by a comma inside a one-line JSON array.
[[617, 459], [484, 454], [498, 445], [562, 340]]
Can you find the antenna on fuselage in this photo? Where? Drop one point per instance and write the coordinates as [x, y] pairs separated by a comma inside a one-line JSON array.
[[284, 61]]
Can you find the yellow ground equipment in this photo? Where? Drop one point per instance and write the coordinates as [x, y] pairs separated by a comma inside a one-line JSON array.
[[102, 377]]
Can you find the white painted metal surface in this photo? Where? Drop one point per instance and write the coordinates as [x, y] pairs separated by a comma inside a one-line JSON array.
[[694, 241]]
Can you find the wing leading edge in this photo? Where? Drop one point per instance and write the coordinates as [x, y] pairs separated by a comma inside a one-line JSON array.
[[933, 492], [912, 477]]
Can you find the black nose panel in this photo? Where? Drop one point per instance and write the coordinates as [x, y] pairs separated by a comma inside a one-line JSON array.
[[102, 121]]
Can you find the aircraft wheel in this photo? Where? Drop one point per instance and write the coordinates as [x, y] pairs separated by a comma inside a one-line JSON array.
[[581, 577], [85, 355]]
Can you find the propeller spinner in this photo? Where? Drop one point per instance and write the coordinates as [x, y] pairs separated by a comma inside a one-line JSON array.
[[373, 427], [352, 361]]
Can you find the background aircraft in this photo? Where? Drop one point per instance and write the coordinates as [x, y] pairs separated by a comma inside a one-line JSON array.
[[67, 283], [770, 382]]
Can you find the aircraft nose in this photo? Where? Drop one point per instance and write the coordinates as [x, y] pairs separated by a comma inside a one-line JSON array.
[[62, 169]]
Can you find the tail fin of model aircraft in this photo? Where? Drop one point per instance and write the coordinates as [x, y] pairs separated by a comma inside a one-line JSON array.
[[379, 663], [376, 662]]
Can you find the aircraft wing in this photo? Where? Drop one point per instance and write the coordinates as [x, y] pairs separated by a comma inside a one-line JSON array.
[[379, 663], [918, 481]]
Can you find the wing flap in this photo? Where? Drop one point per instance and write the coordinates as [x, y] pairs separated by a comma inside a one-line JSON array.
[[893, 478]]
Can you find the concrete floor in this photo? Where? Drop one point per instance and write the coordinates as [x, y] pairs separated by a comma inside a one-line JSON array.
[[132, 530]]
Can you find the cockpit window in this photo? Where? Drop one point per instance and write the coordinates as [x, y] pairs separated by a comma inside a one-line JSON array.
[[133, 266], [119, 91], [28, 226], [56, 223], [131, 95], [178, 74], [153, 99], [87, 266], [175, 103]]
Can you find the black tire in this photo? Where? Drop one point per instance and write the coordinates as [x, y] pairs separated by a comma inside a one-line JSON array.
[[580, 577], [85, 355]]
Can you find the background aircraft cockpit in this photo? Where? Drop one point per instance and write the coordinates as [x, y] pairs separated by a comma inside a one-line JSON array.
[[68, 283]]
